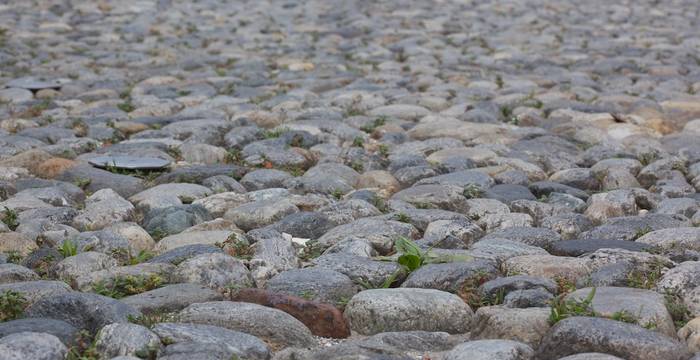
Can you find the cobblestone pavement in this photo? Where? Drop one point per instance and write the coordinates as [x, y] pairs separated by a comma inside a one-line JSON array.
[[435, 179]]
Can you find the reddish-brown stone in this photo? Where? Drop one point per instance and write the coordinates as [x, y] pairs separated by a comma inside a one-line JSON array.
[[322, 319]]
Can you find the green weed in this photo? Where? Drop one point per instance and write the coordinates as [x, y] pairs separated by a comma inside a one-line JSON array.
[[68, 248], [561, 308], [10, 218], [12, 305]]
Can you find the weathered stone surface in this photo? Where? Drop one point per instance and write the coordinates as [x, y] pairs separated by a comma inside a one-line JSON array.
[[645, 306], [82, 310], [361, 269], [580, 247], [689, 335], [239, 343], [60, 329], [215, 270], [451, 277], [501, 250], [273, 254], [540, 237], [380, 233], [587, 334], [491, 349], [126, 339], [181, 253], [446, 197], [272, 325], [260, 213], [108, 276], [388, 345], [549, 266], [32, 345], [318, 284], [524, 325], [97, 179], [173, 242], [82, 264], [166, 195], [10, 273], [379, 310], [103, 208], [34, 291], [171, 298]]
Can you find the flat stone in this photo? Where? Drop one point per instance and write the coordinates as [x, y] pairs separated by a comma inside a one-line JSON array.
[[508, 284], [451, 277], [215, 270], [272, 325], [580, 247], [60, 329], [590, 356], [32, 345], [129, 162], [82, 310], [398, 345], [361, 269], [171, 298], [524, 325], [588, 334], [120, 339], [490, 349], [33, 83], [186, 239], [239, 343], [381, 233], [180, 253], [34, 291], [379, 310], [540, 237], [97, 179], [645, 306], [82, 264], [10, 273], [317, 284], [549, 266], [87, 282]]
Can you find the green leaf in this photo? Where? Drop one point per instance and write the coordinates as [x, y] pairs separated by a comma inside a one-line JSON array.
[[410, 261], [406, 246]]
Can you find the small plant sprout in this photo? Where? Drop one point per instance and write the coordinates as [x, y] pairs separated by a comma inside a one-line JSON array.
[[12, 305], [68, 248], [562, 308], [10, 218], [472, 191]]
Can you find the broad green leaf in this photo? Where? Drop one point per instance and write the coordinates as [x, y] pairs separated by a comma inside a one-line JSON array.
[[410, 261], [406, 246]]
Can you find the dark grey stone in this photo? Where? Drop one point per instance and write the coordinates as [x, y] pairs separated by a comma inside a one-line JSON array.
[[580, 247], [182, 253], [98, 179], [451, 277], [171, 298], [237, 343], [82, 310], [62, 330], [508, 193], [129, 162], [304, 224], [361, 269], [588, 334]]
